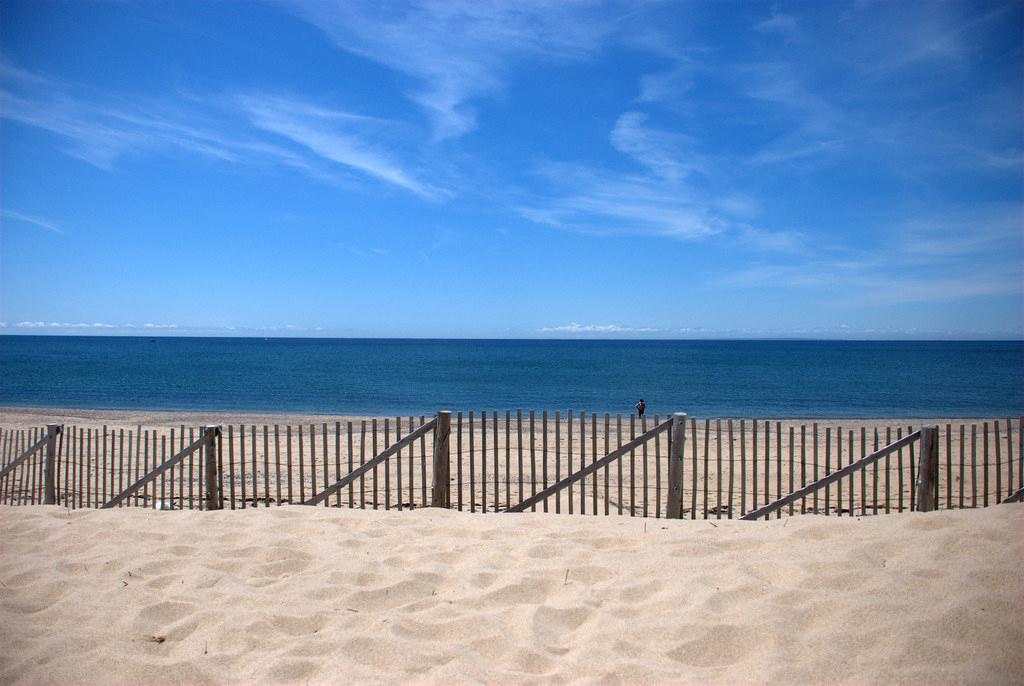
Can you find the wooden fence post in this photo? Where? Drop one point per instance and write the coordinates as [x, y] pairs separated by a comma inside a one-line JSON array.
[[674, 507], [49, 489], [211, 475], [928, 469], [442, 466]]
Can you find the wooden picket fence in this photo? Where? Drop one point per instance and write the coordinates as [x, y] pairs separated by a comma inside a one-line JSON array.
[[571, 463]]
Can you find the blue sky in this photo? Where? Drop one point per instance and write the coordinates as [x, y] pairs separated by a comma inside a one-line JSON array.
[[529, 169]]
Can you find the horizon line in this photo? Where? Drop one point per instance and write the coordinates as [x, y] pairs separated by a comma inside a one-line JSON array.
[[923, 338]]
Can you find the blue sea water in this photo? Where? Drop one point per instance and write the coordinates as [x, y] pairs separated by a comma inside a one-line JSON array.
[[413, 376]]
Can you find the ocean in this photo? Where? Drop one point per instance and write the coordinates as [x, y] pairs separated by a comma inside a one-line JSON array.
[[720, 378]]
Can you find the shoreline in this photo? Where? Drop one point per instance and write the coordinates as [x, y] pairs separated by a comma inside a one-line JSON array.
[[23, 417]]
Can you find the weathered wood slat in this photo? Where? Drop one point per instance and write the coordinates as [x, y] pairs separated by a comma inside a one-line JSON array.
[[558, 464], [832, 478], [1009, 455], [607, 475], [362, 461], [472, 465], [362, 469], [583, 461], [494, 424], [423, 466], [483, 461], [593, 456], [508, 458], [175, 459], [928, 472], [657, 472], [778, 463], [706, 475], [984, 457], [544, 452], [693, 453], [792, 456], [351, 463], [632, 468], [442, 464], [32, 449], [743, 467], [568, 455], [999, 462], [718, 477], [533, 458], [1015, 497], [803, 465], [674, 504], [591, 468]]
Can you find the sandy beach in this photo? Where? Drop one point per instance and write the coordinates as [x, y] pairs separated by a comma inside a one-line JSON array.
[[306, 595]]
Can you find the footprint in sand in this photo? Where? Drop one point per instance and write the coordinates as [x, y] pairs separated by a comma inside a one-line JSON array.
[[553, 625], [719, 646]]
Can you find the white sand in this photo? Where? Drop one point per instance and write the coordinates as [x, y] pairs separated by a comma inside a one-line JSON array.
[[304, 595]]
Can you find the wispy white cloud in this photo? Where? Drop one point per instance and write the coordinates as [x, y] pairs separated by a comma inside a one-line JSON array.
[[780, 23], [668, 154], [68, 325], [667, 86], [320, 142], [596, 328], [362, 253], [922, 261], [40, 222], [458, 50], [337, 136], [677, 192]]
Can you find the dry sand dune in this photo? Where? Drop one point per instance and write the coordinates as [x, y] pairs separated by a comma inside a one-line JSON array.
[[303, 595]]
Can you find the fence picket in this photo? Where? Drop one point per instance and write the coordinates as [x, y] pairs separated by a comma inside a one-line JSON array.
[[767, 462], [632, 467], [496, 465], [778, 465], [519, 448], [999, 468], [324, 452], [753, 475], [472, 469], [791, 465], [693, 452], [508, 459], [583, 461], [568, 454], [351, 465], [618, 434], [743, 467], [984, 474], [483, 461], [533, 459], [718, 476], [828, 465], [707, 468], [1009, 456], [803, 466], [593, 456], [398, 462], [362, 461], [558, 464], [657, 473]]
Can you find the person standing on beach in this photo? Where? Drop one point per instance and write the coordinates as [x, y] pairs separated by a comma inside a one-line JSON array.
[[640, 407]]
